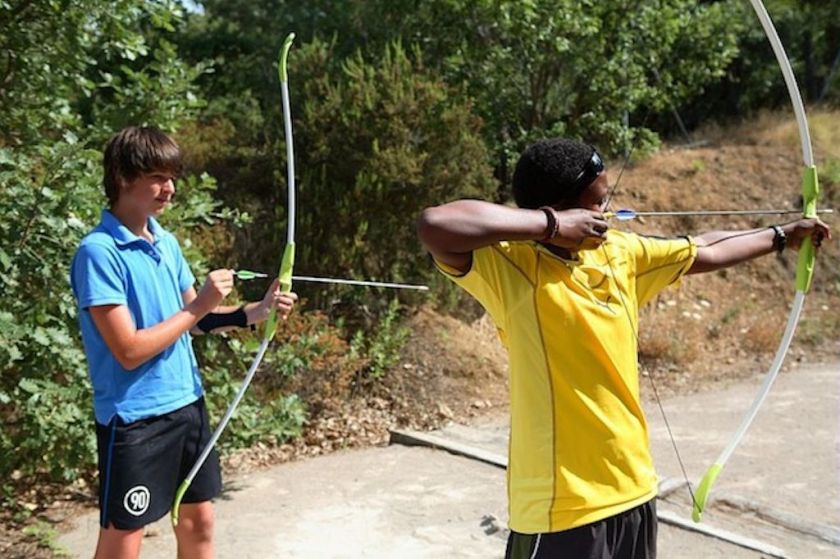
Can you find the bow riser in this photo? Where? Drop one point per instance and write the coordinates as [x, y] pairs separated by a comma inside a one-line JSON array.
[[807, 252]]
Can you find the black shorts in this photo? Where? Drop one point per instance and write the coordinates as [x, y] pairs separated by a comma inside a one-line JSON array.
[[142, 463], [627, 535]]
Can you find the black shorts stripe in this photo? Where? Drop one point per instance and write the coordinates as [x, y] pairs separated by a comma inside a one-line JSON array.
[[103, 511]]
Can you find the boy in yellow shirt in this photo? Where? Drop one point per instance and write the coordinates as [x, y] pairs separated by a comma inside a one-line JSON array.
[[564, 292]]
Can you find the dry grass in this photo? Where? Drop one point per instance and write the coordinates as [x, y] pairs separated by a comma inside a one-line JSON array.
[[736, 316], [762, 337], [779, 129]]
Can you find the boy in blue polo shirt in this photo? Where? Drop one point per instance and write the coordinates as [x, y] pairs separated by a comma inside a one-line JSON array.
[[137, 309]]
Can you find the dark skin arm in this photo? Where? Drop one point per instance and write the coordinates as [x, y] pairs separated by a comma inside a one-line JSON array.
[[721, 249], [452, 231]]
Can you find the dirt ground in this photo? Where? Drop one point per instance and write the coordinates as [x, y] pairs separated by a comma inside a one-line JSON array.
[[455, 370]]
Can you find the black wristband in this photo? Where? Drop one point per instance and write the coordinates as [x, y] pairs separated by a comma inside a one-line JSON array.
[[213, 320], [552, 228], [779, 238]]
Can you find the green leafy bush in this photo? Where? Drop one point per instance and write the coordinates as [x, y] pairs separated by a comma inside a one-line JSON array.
[[260, 417], [44, 394], [381, 346], [380, 139]]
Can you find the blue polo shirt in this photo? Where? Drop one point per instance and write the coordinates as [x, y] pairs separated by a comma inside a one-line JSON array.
[[113, 266]]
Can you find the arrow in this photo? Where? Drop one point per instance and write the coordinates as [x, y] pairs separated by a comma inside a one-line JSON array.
[[249, 275], [627, 214]]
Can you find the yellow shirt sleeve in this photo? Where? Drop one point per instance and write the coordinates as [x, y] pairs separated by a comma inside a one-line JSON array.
[[660, 263], [495, 272]]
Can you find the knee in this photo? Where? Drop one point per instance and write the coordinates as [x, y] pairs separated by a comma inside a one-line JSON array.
[[199, 522], [203, 526]]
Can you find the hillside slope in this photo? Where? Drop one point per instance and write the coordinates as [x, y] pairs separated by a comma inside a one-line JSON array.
[[718, 326]]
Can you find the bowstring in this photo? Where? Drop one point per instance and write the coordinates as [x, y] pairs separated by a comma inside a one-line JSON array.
[[628, 155], [635, 332]]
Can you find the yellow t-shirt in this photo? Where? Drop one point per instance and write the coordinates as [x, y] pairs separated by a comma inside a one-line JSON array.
[[579, 449]]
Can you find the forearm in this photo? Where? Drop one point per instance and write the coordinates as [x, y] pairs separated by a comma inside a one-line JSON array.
[[721, 249], [141, 345], [465, 225]]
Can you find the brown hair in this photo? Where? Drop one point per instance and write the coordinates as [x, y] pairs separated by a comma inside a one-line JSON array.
[[134, 151]]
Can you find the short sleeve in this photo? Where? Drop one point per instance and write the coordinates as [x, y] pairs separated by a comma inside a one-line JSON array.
[[660, 263], [496, 273], [97, 277], [482, 280]]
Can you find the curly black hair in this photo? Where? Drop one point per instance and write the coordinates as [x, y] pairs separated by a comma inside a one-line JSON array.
[[546, 171]]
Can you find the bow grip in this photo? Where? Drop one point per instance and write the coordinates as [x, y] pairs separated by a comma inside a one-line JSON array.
[[807, 252], [285, 277]]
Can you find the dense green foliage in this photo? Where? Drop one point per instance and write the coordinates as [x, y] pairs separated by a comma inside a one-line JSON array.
[[397, 105], [73, 72], [530, 68], [810, 32], [386, 136]]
